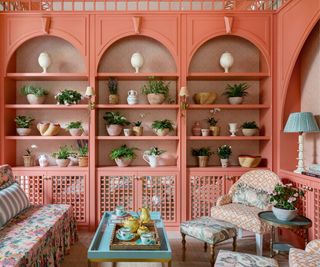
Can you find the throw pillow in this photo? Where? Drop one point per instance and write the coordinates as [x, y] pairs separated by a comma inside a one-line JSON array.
[[6, 177]]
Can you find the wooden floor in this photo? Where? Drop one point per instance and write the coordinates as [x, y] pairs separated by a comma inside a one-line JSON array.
[[195, 255]]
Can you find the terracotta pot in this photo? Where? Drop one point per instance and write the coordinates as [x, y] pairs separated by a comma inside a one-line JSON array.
[[162, 132], [35, 100], [203, 161], [83, 161], [155, 99], [224, 163], [123, 162], [62, 162], [23, 131], [48, 129], [196, 129], [215, 130], [28, 161], [249, 132], [113, 99], [284, 215], [137, 130], [75, 132], [114, 129], [235, 100]]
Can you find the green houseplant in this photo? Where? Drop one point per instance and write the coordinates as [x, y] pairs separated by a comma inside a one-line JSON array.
[[123, 155], [202, 154], [215, 130], [236, 92], [162, 127], [115, 122], [137, 128], [249, 128], [23, 125], [63, 155], [68, 97], [156, 91], [83, 155], [224, 152], [151, 156], [113, 91], [75, 128], [35, 95]]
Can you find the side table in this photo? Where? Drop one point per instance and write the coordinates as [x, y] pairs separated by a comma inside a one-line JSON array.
[[300, 222]]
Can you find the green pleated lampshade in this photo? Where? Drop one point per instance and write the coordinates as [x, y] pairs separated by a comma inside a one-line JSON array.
[[301, 122]]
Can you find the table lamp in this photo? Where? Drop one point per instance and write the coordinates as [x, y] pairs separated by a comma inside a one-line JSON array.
[[89, 94], [184, 93], [301, 122]]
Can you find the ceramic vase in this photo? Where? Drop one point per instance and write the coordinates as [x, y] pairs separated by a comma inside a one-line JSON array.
[[233, 128], [162, 132], [75, 132], [43, 161], [23, 131], [155, 99], [132, 98], [196, 129], [284, 215], [35, 100], [236, 100], [249, 132], [205, 132], [226, 61], [44, 61], [224, 163], [62, 162], [151, 160], [215, 130], [114, 129], [136, 61], [122, 162]]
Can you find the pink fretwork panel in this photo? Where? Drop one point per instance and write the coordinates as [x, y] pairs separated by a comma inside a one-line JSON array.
[[159, 194], [316, 212], [33, 186]]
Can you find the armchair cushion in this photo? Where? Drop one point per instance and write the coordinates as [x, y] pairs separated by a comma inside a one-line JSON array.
[[6, 176], [313, 246], [299, 258], [223, 200]]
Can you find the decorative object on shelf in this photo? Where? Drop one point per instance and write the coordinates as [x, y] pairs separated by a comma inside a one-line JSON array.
[[63, 156], [142, 230], [127, 131], [89, 94], [28, 157], [43, 161], [137, 61], [215, 130], [205, 98], [236, 93], [132, 223], [145, 215], [156, 91], [113, 91], [248, 161], [226, 61], [205, 132], [35, 95], [249, 128], [203, 154], [48, 128], [44, 61], [284, 199], [123, 155], [233, 128], [83, 155], [196, 129], [224, 152], [151, 156], [23, 125], [137, 128], [162, 127], [68, 97], [184, 94], [75, 128], [115, 122], [301, 122], [132, 98]]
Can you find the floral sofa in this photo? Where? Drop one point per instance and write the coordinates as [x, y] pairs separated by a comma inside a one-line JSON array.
[[39, 236]]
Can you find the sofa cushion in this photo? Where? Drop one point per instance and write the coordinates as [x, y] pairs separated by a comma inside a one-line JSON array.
[[299, 258], [6, 176], [12, 201]]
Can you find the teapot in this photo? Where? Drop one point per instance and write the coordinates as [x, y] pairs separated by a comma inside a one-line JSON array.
[[132, 98], [151, 159], [145, 215], [132, 223]]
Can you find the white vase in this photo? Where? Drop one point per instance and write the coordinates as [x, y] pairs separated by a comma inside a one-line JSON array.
[[62, 162], [43, 161], [224, 163], [123, 162], [236, 100], [249, 132], [35, 100], [136, 61], [284, 215], [226, 61], [44, 61], [151, 160], [132, 98], [23, 131], [233, 128], [75, 131]]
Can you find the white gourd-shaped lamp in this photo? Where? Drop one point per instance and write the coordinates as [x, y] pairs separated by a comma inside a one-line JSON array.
[[137, 61], [44, 61], [226, 61]]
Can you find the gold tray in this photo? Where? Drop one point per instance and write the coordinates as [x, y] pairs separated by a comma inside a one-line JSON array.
[[117, 244]]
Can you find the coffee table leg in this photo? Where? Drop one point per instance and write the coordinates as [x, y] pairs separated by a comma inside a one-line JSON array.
[[183, 246], [169, 264], [234, 243], [205, 247], [212, 255], [271, 241], [89, 263]]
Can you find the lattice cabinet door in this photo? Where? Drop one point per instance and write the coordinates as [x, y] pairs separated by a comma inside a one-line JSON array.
[[313, 203]]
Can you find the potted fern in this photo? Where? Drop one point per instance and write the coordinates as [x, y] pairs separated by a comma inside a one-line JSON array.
[[115, 122], [75, 128], [23, 125], [202, 154], [215, 130], [113, 91], [123, 155], [156, 91], [224, 152], [35, 95], [249, 128], [63, 156], [236, 93], [137, 128], [162, 127], [83, 156]]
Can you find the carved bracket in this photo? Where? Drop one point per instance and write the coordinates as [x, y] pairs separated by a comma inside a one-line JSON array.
[[228, 24], [136, 24], [46, 21]]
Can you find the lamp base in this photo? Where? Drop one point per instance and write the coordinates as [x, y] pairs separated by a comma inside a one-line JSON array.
[[299, 170]]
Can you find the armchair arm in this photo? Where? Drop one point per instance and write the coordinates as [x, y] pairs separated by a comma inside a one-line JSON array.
[[313, 246], [223, 200], [299, 257]]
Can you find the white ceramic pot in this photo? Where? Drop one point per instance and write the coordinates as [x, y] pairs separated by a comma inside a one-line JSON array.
[[132, 98], [122, 162], [155, 99], [284, 215], [162, 132], [35, 100], [233, 128], [226, 61], [43, 161], [136, 61], [235, 100], [62, 162], [249, 132], [23, 131], [151, 160], [224, 163], [44, 61], [75, 132], [114, 129], [127, 132], [205, 132]]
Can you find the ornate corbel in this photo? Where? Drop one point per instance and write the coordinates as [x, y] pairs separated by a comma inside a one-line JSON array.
[[228, 24]]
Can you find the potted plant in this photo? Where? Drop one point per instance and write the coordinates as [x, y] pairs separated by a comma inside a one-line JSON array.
[[224, 153], [115, 122], [202, 155], [284, 199], [28, 157], [113, 91], [35, 95], [156, 91], [62, 156], [137, 128], [213, 126], [249, 128], [68, 97], [151, 156], [236, 92], [123, 155], [83, 156], [75, 128], [162, 127], [23, 125]]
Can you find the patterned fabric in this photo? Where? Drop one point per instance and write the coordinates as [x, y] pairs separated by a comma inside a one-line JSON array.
[[6, 176], [236, 259], [242, 216], [250, 196], [209, 230], [12, 201], [313, 246], [299, 258], [38, 237], [223, 200]]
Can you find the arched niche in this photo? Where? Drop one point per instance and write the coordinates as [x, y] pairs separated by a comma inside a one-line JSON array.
[[65, 58], [157, 57]]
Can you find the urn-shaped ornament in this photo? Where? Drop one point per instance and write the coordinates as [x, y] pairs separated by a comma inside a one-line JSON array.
[[226, 61], [44, 61], [132, 98], [136, 61]]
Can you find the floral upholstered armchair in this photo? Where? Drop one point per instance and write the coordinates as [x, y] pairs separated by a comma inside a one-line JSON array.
[[246, 198], [309, 257]]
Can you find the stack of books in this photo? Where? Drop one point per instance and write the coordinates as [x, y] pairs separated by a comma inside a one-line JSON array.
[[314, 171]]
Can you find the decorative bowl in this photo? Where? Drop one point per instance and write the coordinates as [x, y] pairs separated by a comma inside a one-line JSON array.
[[48, 128], [249, 161], [205, 97]]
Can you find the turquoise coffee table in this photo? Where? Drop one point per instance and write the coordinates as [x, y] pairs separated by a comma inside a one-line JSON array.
[[99, 250]]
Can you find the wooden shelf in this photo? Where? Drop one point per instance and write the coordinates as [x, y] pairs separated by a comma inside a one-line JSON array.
[[46, 106], [48, 76], [139, 138], [229, 138], [36, 137], [137, 76], [221, 169], [138, 168], [245, 76], [50, 168], [228, 106], [138, 106]]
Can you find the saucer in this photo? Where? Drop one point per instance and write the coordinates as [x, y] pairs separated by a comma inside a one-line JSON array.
[[139, 242], [124, 213], [132, 236]]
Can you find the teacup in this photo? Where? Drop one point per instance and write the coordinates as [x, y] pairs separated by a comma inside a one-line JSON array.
[[147, 238], [125, 232], [127, 132], [119, 210]]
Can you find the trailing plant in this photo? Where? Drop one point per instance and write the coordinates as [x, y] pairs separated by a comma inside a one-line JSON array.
[[115, 118], [23, 121], [64, 153], [31, 90], [286, 196], [68, 97], [212, 121], [137, 123], [236, 90], [113, 86], [154, 151], [224, 151], [83, 151], [250, 125], [156, 87], [203, 151], [123, 152], [28, 151], [75, 125], [162, 124]]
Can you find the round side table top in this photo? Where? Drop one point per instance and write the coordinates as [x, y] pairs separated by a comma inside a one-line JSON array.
[[298, 222]]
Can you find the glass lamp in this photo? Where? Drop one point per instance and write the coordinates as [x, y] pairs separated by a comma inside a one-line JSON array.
[[301, 122]]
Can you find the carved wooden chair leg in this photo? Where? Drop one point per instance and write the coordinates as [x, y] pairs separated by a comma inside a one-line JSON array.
[[205, 247], [234, 243], [212, 259], [183, 246]]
